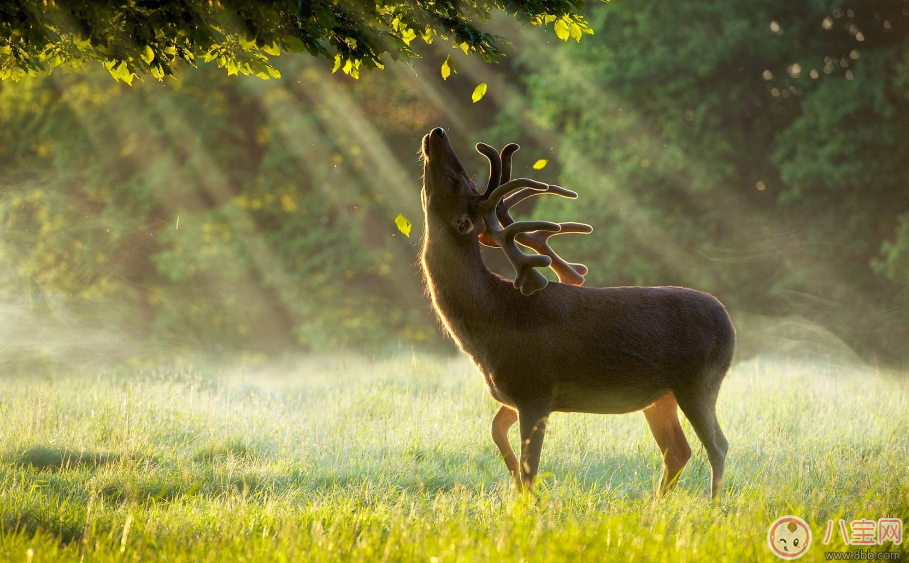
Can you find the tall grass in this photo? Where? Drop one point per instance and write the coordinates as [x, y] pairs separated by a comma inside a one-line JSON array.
[[392, 461]]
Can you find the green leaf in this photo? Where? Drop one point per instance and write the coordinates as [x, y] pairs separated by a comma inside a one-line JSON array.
[[148, 55], [121, 72], [540, 164], [294, 44], [478, 93], [408, 35], [448, 67], [561, 30], [403, 225]]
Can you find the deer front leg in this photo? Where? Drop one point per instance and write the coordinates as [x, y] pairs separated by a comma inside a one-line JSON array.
[[533, 428], [501, 423]]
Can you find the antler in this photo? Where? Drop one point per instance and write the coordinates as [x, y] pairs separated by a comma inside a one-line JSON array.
[[526, 277], [497, 218], [495, 167]]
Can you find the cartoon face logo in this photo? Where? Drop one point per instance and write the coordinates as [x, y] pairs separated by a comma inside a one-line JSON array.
[[789, 537]]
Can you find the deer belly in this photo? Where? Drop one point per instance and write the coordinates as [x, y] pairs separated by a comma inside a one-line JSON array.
[[573, 398]]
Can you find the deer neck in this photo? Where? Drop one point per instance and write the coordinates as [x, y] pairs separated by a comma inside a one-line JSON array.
[[460, 285]]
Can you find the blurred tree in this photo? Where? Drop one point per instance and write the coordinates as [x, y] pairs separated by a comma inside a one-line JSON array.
[[754, 149], [139, 37], [200, 214]]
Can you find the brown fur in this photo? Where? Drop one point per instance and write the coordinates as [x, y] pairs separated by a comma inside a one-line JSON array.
[[572, 349]]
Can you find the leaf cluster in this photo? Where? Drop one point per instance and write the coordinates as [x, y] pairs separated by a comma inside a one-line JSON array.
[[151, 37]]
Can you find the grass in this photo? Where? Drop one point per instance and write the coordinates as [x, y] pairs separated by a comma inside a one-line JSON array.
[[392, 461]]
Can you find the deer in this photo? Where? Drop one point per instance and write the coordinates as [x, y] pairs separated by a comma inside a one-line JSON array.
[[545, 347]]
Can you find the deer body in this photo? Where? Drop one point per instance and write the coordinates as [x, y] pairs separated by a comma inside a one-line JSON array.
[[595, 350], [567, 348]]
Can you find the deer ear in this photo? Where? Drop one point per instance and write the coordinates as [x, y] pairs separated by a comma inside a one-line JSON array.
[[464, 224]]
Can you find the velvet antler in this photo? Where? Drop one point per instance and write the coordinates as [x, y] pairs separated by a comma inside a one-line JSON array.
[[496, 216], [527, 279]]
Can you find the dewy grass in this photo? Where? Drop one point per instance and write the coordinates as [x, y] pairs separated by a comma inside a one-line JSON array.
[[392, 461]]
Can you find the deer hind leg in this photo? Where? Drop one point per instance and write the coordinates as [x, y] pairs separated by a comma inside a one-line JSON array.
[[501, 423], [532, 421], [663, 418], [700, 410]]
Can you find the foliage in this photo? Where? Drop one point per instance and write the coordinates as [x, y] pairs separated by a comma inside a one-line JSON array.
[[756, 151], [181, 465], [149, 37], [202, 216], [751, 149]]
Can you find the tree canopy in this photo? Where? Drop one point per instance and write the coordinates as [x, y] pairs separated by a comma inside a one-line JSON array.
[[141, 37]]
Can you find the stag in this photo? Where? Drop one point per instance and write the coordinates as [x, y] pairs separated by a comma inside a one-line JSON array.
[[544, 347]]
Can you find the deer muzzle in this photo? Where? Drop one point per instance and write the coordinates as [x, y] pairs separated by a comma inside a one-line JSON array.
[[436, 146]]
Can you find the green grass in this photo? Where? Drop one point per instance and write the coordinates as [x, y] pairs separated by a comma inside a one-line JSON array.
[[391, 460]]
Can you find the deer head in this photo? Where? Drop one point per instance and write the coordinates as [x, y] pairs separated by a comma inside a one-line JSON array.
[[451, 198]]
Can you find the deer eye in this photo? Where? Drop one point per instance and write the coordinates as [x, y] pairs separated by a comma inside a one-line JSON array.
[[454, 183]]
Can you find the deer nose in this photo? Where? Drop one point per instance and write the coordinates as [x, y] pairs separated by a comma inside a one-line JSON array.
[[437, 132]]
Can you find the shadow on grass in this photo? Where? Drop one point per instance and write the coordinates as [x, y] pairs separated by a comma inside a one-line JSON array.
[[31, 522], [231, 448], [49, 458]]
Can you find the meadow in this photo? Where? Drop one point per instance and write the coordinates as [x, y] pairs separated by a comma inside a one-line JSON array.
[[391, 460]]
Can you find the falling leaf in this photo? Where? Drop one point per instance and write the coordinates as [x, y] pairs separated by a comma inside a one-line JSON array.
[[448, 67], [403, 225], [540, 164], [478, 93], [177, 226]]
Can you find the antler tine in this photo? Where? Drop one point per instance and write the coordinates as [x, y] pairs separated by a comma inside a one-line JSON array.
[[495, 178], [503, 190], [572, 274], [517, 198], [495, 167], [505, 156]]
